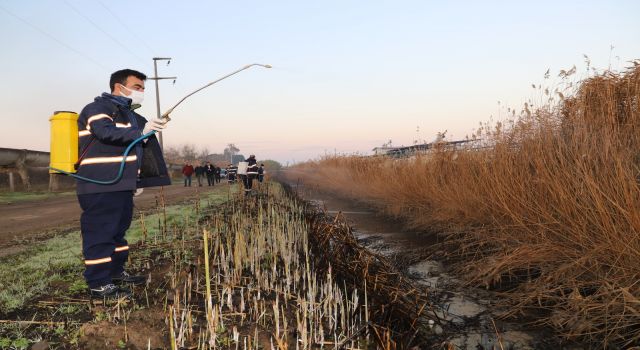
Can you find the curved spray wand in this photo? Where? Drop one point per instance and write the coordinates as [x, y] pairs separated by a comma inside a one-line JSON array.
[[165, 116]]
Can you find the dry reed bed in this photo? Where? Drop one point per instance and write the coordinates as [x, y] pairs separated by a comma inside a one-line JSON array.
[[550, 210], [255, 284]]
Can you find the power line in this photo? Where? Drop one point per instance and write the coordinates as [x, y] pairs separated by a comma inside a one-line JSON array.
[[70, 48], [132, 32], [103, 31]]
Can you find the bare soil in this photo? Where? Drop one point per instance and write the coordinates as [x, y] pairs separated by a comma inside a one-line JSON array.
[[141, 330], [140, 322], [24, 221]]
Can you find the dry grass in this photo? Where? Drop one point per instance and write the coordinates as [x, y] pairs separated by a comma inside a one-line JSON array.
[[551, 209]]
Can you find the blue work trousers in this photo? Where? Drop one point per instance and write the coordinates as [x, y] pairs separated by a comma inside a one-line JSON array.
[[105, 219]]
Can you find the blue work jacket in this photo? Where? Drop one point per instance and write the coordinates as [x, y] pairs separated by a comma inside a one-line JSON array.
[[106, 127]]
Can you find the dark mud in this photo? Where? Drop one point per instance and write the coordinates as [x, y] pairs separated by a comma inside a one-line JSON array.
[[472, 314]]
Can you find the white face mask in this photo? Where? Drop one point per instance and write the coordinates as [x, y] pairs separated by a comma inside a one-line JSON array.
[[136, 96]]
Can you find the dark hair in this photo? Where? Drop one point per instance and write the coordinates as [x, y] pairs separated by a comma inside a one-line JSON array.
[[120, 77]]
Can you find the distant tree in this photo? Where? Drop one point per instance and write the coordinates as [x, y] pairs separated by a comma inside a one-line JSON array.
[[172, 154], [271, 165], [188, 152], [203, 154]]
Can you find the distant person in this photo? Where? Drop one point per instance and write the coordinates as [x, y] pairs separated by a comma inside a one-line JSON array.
[[200, 173], [261, 173], [252, 173], [232, 171], [107, 126], [187, 171], [210, 171], [218, 174]]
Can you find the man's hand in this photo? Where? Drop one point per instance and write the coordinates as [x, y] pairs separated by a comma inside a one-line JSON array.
[[138, 192], [154, 125]]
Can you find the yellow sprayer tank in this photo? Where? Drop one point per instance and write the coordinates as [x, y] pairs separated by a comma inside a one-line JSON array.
[[64, 141]]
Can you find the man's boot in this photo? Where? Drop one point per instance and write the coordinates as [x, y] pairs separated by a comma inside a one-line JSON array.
[[109, 291], [126, 278]]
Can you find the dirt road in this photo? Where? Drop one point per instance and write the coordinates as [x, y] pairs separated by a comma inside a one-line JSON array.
[[23, 221]]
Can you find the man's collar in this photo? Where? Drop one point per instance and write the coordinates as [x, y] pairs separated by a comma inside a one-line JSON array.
[[120, 100]]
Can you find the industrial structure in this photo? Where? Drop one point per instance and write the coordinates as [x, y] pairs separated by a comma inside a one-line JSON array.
[[14, 161]]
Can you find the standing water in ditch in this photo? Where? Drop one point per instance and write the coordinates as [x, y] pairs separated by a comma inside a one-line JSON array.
[[471, 313]]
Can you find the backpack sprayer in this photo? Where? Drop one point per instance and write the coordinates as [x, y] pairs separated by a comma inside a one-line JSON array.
[[64, 138]]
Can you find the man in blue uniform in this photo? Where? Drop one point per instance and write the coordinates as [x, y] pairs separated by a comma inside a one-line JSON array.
[[252, 173], [106, 127], [232, 171]]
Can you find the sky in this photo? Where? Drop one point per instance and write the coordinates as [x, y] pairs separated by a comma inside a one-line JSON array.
[[347, 76]]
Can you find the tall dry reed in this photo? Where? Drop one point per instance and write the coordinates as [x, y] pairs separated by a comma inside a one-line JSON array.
[[550, 208]]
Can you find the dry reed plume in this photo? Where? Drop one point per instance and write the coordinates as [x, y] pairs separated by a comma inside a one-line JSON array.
[[549, 210]]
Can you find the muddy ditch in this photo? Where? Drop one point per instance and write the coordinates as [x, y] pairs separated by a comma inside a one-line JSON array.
[[472, 318]]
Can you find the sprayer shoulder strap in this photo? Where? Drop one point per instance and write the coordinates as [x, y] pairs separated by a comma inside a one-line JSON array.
[[114, 113]]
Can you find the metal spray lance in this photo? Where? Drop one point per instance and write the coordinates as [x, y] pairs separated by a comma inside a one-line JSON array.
[[165, 115]]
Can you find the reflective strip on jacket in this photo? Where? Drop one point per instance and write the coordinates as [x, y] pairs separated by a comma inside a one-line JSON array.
[[105, 131]]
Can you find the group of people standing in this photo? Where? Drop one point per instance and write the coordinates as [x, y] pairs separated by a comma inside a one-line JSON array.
[[213, 173], [208, 170]]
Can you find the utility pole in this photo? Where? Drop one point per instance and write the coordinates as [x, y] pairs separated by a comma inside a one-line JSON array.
[[156, 78]]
